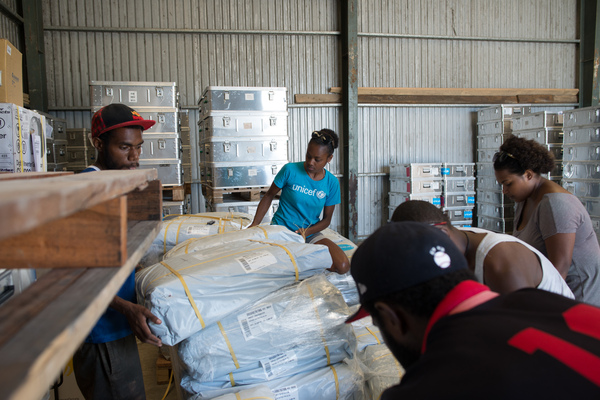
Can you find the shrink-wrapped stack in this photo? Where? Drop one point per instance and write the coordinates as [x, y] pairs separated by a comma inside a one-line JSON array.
[[298, 328], [192, 291], [382, 369], [260, 392]]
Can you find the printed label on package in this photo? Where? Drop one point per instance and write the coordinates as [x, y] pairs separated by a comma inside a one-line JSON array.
[[202, 230], [257, 321], [257, 260], [252, 172], [133, 96], [286, 393], [279, 363], [249, 96]]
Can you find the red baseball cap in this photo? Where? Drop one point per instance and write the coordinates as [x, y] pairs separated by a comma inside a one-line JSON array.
[[115, 116]]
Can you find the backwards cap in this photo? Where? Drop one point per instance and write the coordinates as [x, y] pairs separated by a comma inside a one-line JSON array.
[[115, 116], [400, 255]]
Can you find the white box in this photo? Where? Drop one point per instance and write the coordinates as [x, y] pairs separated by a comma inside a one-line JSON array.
[[22, 139]]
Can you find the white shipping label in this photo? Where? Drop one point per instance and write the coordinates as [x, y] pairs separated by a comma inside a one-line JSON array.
[[252, 172], [247, 125], [286, 393], [279, 363], [8, 50], [249, 96], [257, 321], [133, 96], [202, 230], [257, 260]]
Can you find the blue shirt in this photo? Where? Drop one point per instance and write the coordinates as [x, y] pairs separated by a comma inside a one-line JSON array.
[[302, 198], [113, 325]]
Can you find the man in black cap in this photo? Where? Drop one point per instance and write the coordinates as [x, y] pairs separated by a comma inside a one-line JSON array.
[[107, 365], [456, 338]]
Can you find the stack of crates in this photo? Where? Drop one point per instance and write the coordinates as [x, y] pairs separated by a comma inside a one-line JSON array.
[[56, 143], [243, 144], [162, 148], [581, 159], [415, 181], [545, 128], [495, 211], [80, 151], [458, 194]]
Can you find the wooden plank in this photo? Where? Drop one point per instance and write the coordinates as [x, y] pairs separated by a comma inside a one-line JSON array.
[[435, 99], [31, 360], [9, 176], [145, 204], [26, 203], [317, 98], [96, 237], [526, 98], [177, 192], [460, 91]]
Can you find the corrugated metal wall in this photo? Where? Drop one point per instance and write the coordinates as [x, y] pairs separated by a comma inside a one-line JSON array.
[[296, 44], [9, 28]]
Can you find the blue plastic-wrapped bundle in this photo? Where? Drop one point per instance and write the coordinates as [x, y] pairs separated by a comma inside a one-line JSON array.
[[193, 291], [260, 392], [341, 381], [261, 232], [366, 333], [183, 227], [298, 328], [346, 285], [382, 369]]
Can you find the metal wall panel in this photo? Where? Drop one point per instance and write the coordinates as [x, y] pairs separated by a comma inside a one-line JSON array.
[[10, 28]]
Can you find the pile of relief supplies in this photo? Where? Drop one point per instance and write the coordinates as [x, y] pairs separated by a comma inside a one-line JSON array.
[[253, 313]]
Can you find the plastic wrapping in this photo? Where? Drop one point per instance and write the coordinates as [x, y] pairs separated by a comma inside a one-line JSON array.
[[347, 246], [346, 285], [221, 281], [262, 232], [183, 227], [298, 328], [382, 369], [260, 392], [366, 333], [341, 381]]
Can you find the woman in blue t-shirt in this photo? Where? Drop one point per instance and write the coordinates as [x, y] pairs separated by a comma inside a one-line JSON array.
[[307, 188]]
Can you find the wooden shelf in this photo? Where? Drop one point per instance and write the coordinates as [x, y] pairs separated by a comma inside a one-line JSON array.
[[41, 328]]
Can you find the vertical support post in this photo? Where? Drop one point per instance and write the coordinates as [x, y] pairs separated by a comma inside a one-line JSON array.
[[34, 54], [350, 116], [588, 52], [595, 83]]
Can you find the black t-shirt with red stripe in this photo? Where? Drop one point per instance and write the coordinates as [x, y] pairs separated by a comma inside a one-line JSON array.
[[524, 345]]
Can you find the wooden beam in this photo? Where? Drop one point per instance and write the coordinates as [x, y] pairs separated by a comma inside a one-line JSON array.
[[146, 203], [96, 237], [317, 98], [459, 91], [27, 203]]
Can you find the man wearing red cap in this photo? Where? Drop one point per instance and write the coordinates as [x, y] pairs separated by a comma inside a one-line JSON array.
[[107, 365]]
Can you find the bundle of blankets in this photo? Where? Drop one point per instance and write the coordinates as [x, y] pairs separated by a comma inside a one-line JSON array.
[[254, 313]]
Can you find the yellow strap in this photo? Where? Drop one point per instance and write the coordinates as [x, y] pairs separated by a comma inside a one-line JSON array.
[[373, 333], [264, 231], [337, 382], [237, 396], [289, 253], [187, 292], [221, 226], [235, 361], [178, 230], [312, 298], [231, 379], [167, 231], [21, 155]]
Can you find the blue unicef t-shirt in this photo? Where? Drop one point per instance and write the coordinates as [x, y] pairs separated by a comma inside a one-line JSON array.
[[302, 198], [113, 325]]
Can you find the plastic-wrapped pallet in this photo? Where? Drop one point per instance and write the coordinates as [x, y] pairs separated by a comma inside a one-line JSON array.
[[260, 392], [341, 381], [183, 227], [260, 232], [191, 291], [346, 285], [382, 369], [366, 333], [298, 328]]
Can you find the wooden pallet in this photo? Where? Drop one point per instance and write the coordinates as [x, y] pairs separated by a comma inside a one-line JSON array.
[[163, 370], [215, 196], [176, 193]]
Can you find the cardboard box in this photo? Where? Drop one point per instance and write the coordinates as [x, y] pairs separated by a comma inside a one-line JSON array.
[[11, 74], [22, 139]]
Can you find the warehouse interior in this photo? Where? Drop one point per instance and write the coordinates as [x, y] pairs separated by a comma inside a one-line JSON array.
[[401, 82]]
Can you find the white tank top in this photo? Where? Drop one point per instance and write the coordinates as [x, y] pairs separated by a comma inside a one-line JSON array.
[[551, 279]]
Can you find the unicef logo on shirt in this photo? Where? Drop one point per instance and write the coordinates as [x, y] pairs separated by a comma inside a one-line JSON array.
[[320, 194]]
